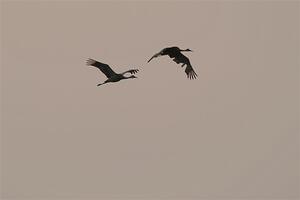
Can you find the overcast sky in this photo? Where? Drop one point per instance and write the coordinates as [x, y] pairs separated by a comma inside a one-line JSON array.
[[231, 133]]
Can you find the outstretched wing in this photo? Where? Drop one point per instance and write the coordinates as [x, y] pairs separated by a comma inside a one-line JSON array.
[[104, 68], [191, 74], [131, 71], [180, 58]]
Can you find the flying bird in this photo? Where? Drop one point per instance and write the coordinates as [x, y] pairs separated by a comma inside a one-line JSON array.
[[109, 73], [178, 57]]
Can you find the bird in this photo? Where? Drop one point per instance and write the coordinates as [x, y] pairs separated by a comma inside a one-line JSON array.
[[109, 73], [178, 57]]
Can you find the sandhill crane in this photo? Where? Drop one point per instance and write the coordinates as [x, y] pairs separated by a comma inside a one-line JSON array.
[[109, 73], [178, 57]]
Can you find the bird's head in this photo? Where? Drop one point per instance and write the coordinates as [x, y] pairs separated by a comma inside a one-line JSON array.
[[132, 76], [188, 50]]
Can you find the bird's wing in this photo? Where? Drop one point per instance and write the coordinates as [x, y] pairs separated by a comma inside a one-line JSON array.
[[104, 68], [180, 58], [131, 71], [191, 74], [157, 55]]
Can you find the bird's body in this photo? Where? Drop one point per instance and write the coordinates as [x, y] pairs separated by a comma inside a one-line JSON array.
[[115, 78], [178, 57], [109, 73]]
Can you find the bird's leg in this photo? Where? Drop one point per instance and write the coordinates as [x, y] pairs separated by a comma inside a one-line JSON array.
[[101, 83], [155, 56], [107, 81]]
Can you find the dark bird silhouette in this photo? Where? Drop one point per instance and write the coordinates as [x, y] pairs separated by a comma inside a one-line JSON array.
[[109, 73], [178, 57]]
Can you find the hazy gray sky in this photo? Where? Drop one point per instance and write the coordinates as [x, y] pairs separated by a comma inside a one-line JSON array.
[[231, 133]]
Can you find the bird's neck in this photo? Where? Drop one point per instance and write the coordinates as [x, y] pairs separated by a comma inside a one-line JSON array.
[[183, 50], [125, 77]]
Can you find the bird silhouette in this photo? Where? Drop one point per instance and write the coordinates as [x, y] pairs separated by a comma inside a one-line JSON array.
[[178, 57], [109, 73]]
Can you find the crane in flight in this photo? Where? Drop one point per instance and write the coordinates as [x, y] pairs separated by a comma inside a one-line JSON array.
[[179, 58], [109, 73]]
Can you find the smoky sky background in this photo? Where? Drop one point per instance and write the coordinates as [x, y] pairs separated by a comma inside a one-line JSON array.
[[231, 134]]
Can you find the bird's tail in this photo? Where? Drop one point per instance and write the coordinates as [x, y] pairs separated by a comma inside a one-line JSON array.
[[90, 62]]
